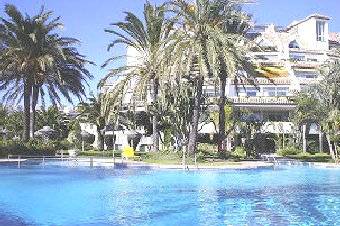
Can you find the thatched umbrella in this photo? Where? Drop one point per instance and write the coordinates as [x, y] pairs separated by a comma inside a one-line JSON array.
[[46, 132], [85, 137]]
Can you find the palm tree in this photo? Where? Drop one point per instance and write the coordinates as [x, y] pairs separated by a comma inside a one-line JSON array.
[[94, 113], [59, 121], [327, 92], [65, 75], [147, 38], [212, 35], [14, 123], [34, 57], [322, 105], [308, 110]]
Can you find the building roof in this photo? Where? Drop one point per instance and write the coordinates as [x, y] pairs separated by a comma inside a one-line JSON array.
[[315, 15]]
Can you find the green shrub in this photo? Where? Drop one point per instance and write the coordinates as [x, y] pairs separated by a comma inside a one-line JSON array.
[[207, 147], [239, 152], [313, 146], [205, 151], [32, 148], [304, 154], [64, 145], [287, 151], [94, 153]]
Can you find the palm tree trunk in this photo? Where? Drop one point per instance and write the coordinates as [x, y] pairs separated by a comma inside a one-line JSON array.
[[221, 115], [100, 141], [304, 139], [27, 108], [192, 143], [32, 116], [336, 151], [155, 134], [320, 141], [330, 146]]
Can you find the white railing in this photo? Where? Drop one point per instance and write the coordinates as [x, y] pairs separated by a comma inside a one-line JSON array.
[[309, 81], [68, 161], [266, 81], [261, 100]]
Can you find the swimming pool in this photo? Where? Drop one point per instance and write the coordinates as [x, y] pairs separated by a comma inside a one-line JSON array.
[[286, 195]]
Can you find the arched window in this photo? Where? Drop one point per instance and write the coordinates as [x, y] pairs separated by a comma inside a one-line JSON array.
[[294, 44]]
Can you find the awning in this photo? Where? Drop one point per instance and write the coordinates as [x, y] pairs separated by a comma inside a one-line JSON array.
[[272, 71]]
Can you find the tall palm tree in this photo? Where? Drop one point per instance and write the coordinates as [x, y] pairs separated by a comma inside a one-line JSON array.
[[327, 92], [211, 34], [36, 61], [64, 76], [146, 36]]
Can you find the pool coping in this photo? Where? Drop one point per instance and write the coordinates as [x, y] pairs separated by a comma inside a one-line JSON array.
[[238, 166], [12, 160], [243, 165], [326, 165], [108, 162]]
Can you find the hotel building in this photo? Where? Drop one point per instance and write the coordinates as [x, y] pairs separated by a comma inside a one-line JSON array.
[[288, 58]]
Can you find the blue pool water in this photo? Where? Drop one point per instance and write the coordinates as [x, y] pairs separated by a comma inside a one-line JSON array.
[[132, 196]]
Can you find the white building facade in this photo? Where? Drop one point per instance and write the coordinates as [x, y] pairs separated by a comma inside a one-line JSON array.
[[289, 56]]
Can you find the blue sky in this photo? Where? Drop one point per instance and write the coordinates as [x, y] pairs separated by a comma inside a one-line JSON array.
[[87, 19]]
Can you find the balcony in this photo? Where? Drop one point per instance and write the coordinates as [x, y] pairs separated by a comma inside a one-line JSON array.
[[273, 62], [266, 81], [309, 81], [305, 64], [262, 100]]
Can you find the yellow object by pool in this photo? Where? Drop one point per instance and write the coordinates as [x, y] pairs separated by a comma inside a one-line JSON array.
[[128, 152]]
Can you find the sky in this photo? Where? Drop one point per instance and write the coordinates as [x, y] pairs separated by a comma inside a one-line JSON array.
[[87, 19]]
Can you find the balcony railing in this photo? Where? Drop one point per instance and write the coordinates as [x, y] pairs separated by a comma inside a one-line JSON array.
[[261, 62], [279, 81], [309, 64], [266, 81], [309, 81], [262, 100]]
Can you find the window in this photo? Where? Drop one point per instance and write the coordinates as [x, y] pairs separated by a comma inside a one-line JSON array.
[[240, 91], [282, 91], [294, 44], [269, 91], [211, 92], [305, 75], [307, 88], [320, 31], [251, 92], [276, 116], [256, 116], [312, 59], [296, 57]]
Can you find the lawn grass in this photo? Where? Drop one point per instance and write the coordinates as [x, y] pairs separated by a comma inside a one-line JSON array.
[[224, 163], [311, 158], [163, 161], [173, 158]]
